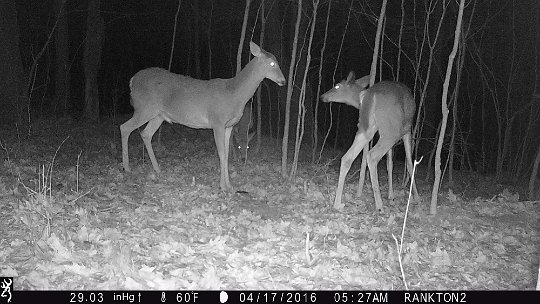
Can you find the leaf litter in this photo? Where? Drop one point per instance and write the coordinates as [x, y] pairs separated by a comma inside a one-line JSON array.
[[97, 227]]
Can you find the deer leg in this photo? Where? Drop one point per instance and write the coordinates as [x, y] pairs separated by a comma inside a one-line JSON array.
[[373, 157], [360, 140], [228, 132], [362, 177], [408, 160], [234, 144], [147, 134], [389, 168], [125, 130], [222, 137]]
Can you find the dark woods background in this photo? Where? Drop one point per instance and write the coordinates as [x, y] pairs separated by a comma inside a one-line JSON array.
[[75, 58]]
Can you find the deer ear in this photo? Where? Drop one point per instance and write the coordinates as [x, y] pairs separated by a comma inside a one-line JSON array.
[[350, 78], [363, 82], [255, 49]]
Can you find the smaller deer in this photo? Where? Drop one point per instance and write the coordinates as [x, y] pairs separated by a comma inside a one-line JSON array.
[[158, 95], [241, 135], [388, 108]]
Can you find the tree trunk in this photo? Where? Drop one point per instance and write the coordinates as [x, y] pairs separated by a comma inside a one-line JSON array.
[[427, 112], [198, 73], [11, 68], [171, 56], [242, 127], [273, 43], [300, 66], [62, 77], [508, 116], [259, 89], [209, 37], [290, 87], [304, 107], [455, 96], [316, 112], [444, 110], [372, 73], [92, 60]]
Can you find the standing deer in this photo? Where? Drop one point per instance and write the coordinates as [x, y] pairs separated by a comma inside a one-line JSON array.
[[158, 95], [388, 108], [241, 135]]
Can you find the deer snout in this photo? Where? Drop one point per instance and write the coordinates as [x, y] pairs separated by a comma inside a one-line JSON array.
[[325, 98], [281, 82]]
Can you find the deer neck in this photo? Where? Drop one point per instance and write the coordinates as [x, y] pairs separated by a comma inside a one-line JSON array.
[[355, 96], [244, 84]]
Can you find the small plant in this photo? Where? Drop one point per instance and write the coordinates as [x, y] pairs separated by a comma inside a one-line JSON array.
[[38, 209]]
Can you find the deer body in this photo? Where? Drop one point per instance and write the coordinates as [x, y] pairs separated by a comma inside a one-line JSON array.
[[205, 103], [388, 108], [158, 95]]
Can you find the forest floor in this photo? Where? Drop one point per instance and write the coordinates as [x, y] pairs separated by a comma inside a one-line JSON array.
[[87, 224]]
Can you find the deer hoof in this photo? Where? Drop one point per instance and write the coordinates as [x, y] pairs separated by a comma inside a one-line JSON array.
[[339, 206], [227, 188]]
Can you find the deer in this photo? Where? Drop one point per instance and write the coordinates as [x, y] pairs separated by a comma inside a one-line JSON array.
[[241, 135], [388, 108], [158, 95]]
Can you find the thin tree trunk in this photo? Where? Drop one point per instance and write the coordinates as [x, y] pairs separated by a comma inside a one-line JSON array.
[[92, 60], [302, 99], [209, 37], [290, 87], [259, 89], [399, 44], [451, 147], [321, 64], [372, 73], [535, 99], [334, 78], [505, 149], [418, 128], [506, 146], [455, 96], [429, 173], [171, 56], [26, 96], [444, 110], [242, 38], [247, 110], [173, 39], [196, 27]]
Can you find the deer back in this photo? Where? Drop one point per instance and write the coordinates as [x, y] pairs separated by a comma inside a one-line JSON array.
[[387, 104]]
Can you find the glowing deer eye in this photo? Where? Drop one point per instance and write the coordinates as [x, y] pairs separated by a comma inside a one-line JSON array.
[[272, 63], [337, 86]]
